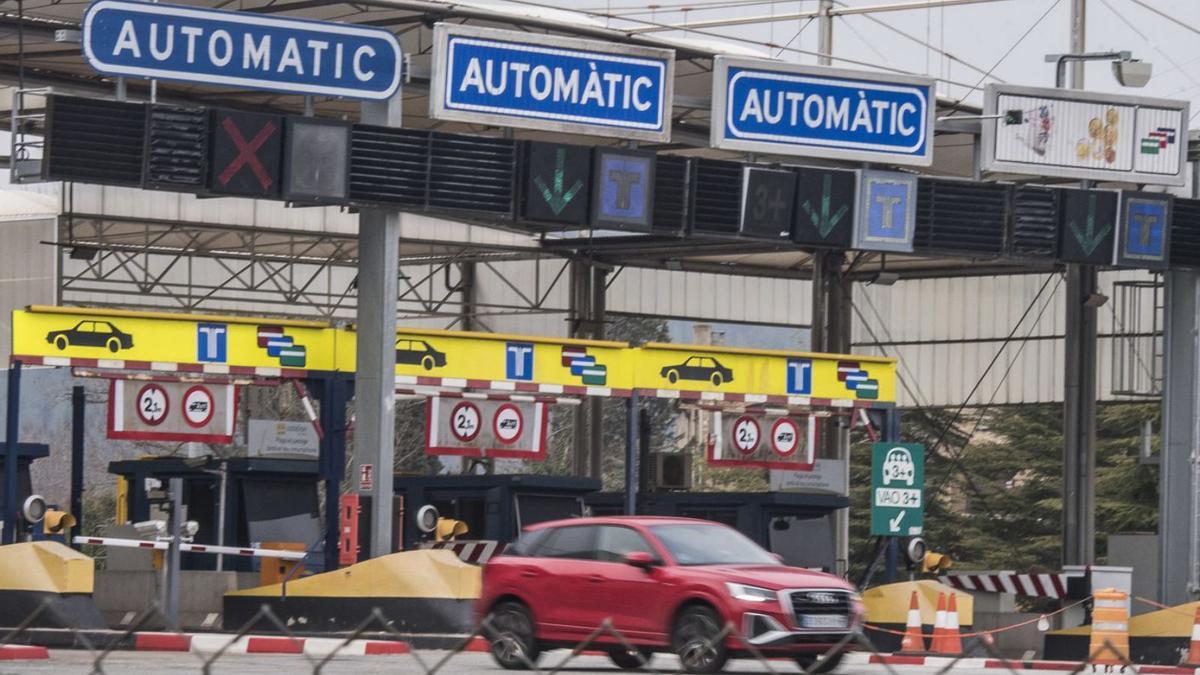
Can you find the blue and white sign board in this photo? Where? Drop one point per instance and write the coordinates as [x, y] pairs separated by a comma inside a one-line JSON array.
[[1145, 239], [237, 49], [887, 211], [506, 78], [787, 109]]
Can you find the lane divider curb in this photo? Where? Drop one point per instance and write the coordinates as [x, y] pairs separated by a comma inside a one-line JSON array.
[[260, 644]]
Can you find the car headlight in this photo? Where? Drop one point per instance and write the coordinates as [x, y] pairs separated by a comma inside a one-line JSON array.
[[750, 593]]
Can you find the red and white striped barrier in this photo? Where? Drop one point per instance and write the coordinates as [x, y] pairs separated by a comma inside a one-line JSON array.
[[474, 552], [1030, 585], [191, 548], [209, 643]]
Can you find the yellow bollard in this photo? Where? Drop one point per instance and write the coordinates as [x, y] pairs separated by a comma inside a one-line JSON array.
[[1110, 629]]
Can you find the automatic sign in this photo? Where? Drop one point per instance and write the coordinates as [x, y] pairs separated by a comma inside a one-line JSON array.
[[746, 435], [464, 421]]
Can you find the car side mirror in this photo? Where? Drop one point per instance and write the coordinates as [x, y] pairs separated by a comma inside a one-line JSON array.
[[640, 559]]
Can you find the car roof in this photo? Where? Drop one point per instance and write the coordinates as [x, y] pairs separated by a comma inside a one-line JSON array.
[[624, 520]]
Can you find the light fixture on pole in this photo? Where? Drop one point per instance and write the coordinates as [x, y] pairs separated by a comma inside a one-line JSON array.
[[1128, 71]]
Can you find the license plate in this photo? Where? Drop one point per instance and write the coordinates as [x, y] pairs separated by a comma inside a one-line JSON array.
[[823, 621]]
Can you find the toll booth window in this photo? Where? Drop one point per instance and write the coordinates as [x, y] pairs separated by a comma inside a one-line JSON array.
[[534, 509], [470, 510], [724, 516], [803, 541], [279, 511]]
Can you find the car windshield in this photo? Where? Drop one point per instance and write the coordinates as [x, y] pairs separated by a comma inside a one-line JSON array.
[[701, 544]]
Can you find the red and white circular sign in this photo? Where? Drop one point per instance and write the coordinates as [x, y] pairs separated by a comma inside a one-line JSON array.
[[785, 437], [508, 424], [746, 435], [464, 421], [152, 404], [198, 406]]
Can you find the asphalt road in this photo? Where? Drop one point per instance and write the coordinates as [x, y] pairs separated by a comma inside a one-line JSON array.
[[162, 663]]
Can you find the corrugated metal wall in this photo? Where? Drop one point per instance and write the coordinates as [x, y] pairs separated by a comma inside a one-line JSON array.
[[26, 271], [946, 331], [714, 297]]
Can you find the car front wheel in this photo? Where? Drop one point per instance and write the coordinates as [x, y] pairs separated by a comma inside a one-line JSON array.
[[828, 666], [697, 640], [427, 363], [513, 644], [114, 345]]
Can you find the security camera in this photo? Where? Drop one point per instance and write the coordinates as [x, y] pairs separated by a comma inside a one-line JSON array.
[[1132, 73], [34, 509], [190, 528], [427, 518], [150, 528]]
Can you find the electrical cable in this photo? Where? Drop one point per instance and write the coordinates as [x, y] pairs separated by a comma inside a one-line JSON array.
[[1150, 42], [1166, 16], [1010, 51]]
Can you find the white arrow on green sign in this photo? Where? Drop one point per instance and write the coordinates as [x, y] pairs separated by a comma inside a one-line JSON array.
[[897, 489]]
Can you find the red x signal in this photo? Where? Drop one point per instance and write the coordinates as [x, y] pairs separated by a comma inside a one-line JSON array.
[[247, 153]]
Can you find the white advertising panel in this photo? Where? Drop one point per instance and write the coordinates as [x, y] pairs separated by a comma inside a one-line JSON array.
[[1074, 134], [282, 440]]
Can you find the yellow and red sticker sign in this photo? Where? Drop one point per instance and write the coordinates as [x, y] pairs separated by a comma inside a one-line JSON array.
[[270, 347]]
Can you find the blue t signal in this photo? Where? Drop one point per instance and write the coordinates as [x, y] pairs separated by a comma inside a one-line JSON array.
[[799, 376], [887, 212], [1145, 226], [518, 361], [210, 342]]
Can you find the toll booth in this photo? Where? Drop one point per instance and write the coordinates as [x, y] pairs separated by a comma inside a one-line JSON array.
[[26, 454], [797, 526], [265, 500], [494, 507]]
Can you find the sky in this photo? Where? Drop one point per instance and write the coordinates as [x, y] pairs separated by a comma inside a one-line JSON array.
[[1008, 38]]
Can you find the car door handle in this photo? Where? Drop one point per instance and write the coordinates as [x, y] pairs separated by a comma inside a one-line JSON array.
[[529, 574], [596, 579]]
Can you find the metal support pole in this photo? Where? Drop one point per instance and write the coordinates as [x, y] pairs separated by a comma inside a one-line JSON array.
[[375, 372], [174, 529], [825, 33], [1178, 538], [222, 508], [332, 393], [1078, 40], [11, 438], [631, 453], [580, 297], [78, 406], [891, 434], [596, 445], [1079, 419]]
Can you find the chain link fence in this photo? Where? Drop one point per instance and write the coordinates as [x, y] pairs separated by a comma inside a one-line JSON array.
[[701, 654]]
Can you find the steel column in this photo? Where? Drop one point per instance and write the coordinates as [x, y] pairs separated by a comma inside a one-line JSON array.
[[78, 409], [580, 299], [825, 33], [11, 439], [1079, 419], [174, 529], [332, 394], [1177, 502], [375, 372], [596, 444]]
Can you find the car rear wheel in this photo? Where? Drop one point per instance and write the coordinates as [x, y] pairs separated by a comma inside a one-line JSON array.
[[61, 342], [630, 660], [672, 376], [831, 664], [427, 363], [513, 644], [696, 640], [114, 345], [717, 379]]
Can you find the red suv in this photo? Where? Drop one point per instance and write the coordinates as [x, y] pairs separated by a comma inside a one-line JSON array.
[[667, 584]]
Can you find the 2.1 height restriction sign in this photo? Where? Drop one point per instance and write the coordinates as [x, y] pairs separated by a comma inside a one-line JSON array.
[[897, 489]]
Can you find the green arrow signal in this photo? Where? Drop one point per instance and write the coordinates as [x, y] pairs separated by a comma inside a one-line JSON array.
[[555, 197], [1091, 239], [823, 221]]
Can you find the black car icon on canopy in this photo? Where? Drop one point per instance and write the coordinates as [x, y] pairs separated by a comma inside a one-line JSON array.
[[91, 334], [700, 368], [418, 353]]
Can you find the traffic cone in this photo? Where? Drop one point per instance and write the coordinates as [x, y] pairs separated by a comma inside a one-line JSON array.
[[939, 626], [1193, 657], [914, 639], [952, 642]]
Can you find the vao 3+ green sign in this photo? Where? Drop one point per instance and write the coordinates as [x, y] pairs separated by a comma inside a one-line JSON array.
[[897, 489]]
